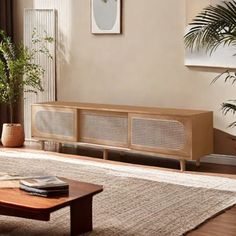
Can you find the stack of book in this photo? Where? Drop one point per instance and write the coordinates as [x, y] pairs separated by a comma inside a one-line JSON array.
[[45, 186]]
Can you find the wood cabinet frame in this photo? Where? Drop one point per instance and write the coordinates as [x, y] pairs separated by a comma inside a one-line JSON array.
[[198, 128]]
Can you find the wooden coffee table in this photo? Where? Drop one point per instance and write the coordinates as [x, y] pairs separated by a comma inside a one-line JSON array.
[[15, 202]]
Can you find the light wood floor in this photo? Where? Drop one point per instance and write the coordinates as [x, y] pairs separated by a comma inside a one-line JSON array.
[[221, 225]]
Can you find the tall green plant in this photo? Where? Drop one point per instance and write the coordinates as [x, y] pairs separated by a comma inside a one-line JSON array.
[[18, 69], [215, 26]]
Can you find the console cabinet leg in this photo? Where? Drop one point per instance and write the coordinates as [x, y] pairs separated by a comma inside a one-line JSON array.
[[42, 144], [182, 165], [59, 147], [198, 162], [105, 154]]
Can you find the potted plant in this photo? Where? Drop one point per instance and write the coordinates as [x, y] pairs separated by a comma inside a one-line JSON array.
[[215, 26], [19, 72]]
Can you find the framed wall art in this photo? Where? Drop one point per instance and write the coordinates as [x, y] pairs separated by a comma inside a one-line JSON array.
[[106, 16], [222, 57]]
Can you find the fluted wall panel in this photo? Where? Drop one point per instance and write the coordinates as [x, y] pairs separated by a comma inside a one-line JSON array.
[[44, 23]]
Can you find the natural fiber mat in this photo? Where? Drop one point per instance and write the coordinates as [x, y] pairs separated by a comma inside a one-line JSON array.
[[135, 201]]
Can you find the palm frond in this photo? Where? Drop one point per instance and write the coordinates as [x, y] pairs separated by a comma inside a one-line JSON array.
[[228, 107], [213, 27], [227, 76]]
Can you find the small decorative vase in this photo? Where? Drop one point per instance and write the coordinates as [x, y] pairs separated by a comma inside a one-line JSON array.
[[12, 135]]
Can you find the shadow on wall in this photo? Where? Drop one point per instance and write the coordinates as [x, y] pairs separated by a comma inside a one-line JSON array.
[[224, 143]]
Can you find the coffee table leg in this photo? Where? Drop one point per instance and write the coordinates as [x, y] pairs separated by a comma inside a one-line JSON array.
[[81, 216]]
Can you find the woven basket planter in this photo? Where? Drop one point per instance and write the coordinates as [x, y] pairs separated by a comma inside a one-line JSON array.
[[12, 135]]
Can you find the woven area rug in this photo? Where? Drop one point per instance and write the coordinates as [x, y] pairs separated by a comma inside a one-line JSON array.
[[135, 201]]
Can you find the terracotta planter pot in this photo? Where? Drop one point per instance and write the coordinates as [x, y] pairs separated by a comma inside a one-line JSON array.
[[12, 135]]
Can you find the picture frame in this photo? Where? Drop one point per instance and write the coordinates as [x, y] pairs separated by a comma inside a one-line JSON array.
[[106, 16], [222, 57]]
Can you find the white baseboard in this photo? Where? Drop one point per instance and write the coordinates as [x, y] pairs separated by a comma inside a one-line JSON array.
[[220, 159]]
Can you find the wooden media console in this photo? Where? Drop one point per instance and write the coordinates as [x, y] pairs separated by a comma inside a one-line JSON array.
[[173, 133]]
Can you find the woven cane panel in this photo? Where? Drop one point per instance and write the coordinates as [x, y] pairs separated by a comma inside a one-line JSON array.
[[155, 133], [104, 127], [55, 123]]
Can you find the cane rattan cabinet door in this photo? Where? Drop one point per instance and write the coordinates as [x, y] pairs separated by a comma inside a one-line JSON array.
[[161, 134], [107, 128], [54, 123]]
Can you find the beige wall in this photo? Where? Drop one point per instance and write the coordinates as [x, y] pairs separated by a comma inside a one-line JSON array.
[[142, 66]]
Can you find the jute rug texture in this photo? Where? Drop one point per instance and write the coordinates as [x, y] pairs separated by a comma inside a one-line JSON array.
[[135, 202]]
